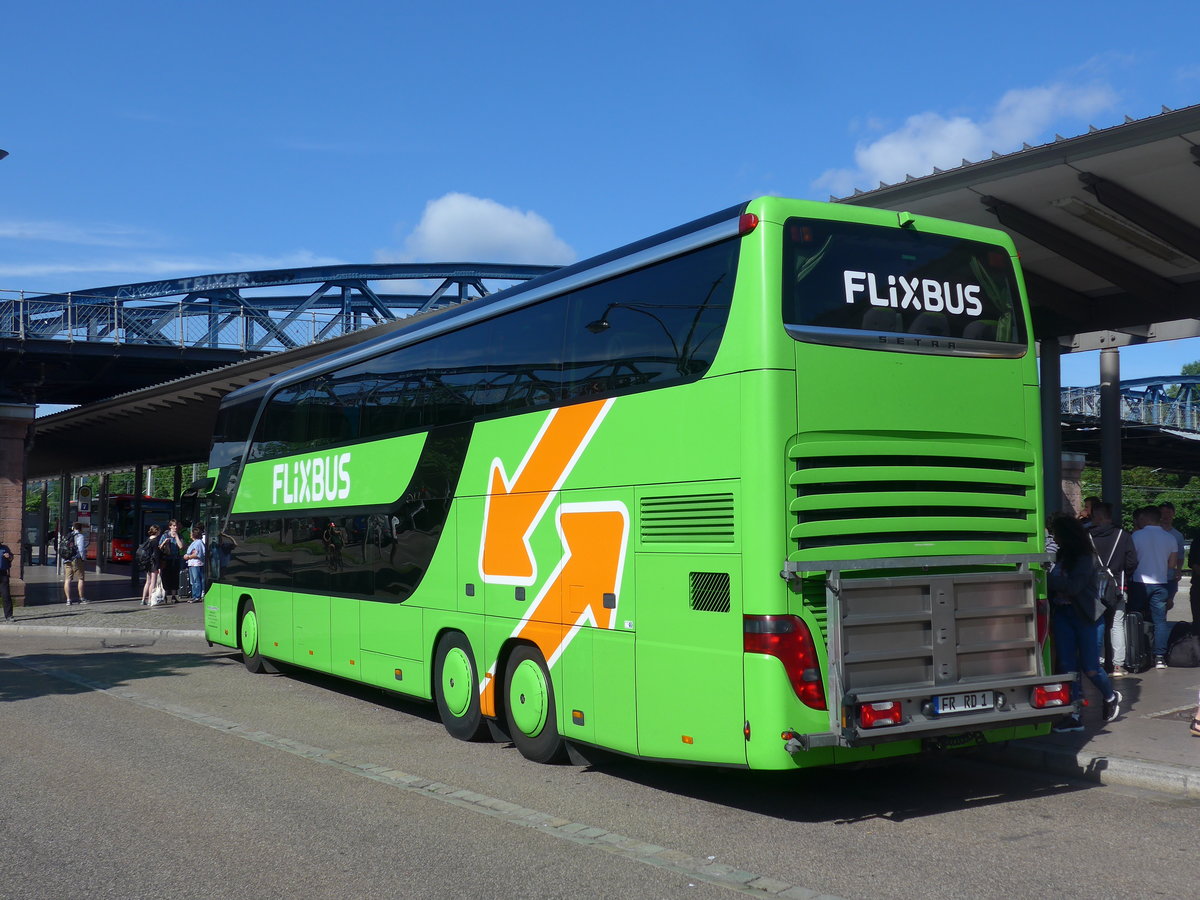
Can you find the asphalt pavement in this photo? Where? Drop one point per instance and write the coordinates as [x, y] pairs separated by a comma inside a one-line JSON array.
[[1148, 746]]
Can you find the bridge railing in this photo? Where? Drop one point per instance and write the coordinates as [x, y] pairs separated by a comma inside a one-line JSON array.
[[176, 323], [1142, 407]]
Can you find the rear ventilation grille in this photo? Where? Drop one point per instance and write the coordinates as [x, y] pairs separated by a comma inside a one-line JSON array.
[[910, 495], [692, 519], [710, 591]]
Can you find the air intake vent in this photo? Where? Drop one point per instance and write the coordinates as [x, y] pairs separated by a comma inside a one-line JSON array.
[[710, 591], [910, 495], [691, 519]]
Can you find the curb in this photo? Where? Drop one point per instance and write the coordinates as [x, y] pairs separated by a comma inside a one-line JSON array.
[[98, 631], [1164, 778]]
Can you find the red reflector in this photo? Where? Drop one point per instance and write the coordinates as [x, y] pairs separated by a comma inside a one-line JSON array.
[[1046, 696], [1043, 620], [788, 639], [747, 223], [877, 715]]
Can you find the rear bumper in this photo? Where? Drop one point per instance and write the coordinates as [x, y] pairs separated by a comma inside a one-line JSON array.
[[923, 629]]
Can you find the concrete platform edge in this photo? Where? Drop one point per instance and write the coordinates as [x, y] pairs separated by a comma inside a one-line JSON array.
[[97, 631], [1163, 778]]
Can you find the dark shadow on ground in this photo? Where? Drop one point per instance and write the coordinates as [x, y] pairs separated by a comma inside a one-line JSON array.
[[896, 791], [399, 702], [117, 663]]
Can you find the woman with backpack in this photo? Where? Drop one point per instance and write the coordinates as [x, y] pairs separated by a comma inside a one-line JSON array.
[[147, 558], [1075, 608]]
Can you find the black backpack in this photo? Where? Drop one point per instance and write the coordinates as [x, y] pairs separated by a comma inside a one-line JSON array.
[[145, 554], [66, 546], [1183, 648], [1107, 589]]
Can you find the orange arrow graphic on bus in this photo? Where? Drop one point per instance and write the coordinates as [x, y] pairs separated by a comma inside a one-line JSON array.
[[514, 507], [593, 537]]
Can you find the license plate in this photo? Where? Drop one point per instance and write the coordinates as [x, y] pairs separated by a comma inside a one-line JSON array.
[[969, 701]]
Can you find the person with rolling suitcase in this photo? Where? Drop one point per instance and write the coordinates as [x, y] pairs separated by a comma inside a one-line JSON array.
[[1116, 552]]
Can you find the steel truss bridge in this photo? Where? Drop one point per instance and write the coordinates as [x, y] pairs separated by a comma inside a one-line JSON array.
[[1160, 422], [1167, 401], [86, 345]]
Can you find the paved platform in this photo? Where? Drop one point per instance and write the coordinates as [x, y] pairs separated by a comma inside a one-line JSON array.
[[1148, 746]]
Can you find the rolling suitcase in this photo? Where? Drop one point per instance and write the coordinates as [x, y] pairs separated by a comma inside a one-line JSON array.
[[1139, 642]]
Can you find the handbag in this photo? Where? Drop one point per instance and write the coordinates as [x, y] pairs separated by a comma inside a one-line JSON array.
[[158, 595]]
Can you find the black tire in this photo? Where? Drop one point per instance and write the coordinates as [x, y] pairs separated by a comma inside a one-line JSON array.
[[456, 688], [529, 707], [248, 639]]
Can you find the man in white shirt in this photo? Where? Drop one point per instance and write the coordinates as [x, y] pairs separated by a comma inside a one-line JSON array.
[[1158, 560], [1167, 510]]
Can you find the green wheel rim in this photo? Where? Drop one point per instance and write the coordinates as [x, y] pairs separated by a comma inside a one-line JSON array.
[[456, 682], [528, 700], [250, 633]]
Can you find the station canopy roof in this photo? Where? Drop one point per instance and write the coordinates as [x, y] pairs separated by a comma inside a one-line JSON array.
[[1107, 224], [168, 424]]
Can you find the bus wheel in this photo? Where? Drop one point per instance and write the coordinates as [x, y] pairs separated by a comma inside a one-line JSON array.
[[248, 639], [529, 704], [456, 688]]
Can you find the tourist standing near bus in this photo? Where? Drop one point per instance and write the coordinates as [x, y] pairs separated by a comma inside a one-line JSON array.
[[148, 559], [1166, 509], [195, 564], [6, 558], [1158, 559], [1115, 549], [1075, 608], [170, 552], [76, 547]]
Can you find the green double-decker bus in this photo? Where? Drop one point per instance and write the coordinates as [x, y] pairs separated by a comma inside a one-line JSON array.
[[762, 490]]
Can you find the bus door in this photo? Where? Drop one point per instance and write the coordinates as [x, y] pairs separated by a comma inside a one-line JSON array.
[[310, 604], [689, 657]]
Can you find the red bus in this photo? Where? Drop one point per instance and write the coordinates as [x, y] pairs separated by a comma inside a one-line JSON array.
[[122, 535]]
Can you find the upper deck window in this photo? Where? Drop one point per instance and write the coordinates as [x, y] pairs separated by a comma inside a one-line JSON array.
[[859, 285]]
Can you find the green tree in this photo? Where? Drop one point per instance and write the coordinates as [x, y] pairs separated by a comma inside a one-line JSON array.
[[1143, 486]]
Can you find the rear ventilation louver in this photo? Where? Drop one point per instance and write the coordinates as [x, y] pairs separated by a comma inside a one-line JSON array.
[[951, 497], [691, 519]]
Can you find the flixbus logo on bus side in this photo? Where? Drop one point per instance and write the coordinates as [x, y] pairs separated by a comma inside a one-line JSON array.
[[311, 480], [914, 293]]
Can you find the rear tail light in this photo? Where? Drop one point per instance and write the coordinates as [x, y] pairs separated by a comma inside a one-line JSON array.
[[789, 640], [877, 715], [747, 222], [1046, 696]]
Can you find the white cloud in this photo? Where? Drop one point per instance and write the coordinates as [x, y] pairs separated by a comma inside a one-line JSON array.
[[64, 233], [462, 228], [930, 139]]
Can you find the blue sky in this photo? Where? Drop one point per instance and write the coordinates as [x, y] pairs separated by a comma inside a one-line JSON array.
[[159, 139]]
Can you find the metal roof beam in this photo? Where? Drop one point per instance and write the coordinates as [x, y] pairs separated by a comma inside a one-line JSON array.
[[1178, 232], [1148, 287], [1153, 333]]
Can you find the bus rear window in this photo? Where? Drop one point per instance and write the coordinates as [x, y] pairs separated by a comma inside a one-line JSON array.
[[893, 288]]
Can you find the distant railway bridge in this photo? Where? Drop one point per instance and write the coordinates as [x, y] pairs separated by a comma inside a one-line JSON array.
[[86, 345]]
